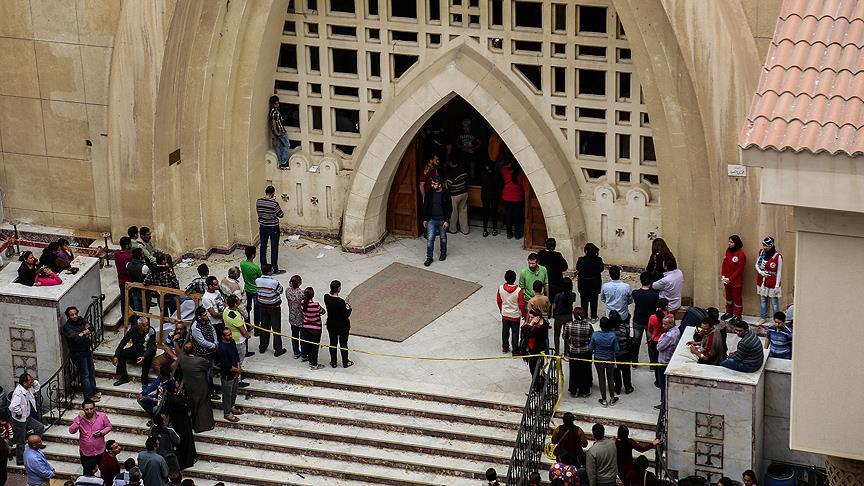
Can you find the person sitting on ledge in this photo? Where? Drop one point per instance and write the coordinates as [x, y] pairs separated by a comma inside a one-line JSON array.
[[749, 356], [46, 278], [27, 270], [142, 338]]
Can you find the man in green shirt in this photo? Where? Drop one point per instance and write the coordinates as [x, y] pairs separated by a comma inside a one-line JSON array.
[[534, 272], [250, 271]]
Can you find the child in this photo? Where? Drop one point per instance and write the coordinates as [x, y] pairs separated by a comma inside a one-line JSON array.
[[779, 338], [492, 477]]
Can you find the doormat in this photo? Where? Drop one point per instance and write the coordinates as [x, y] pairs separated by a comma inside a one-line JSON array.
[[400, 300]]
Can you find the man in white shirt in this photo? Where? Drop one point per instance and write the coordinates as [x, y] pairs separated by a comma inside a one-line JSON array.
[[213, 301], [22, 404], [670, 286]]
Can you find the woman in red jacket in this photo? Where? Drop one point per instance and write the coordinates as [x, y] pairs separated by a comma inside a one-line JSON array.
[[732, 277], [513, 195]]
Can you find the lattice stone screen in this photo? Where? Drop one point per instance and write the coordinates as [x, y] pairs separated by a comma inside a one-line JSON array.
[[341, 59]]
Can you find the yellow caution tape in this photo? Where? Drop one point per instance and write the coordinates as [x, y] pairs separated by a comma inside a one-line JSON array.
[[445, 358]]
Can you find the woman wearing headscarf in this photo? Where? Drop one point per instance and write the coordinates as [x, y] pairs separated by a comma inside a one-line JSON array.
[[769, 268], [732, 277]]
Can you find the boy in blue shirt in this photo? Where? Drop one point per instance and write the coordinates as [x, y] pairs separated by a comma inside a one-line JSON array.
[[779, 338]]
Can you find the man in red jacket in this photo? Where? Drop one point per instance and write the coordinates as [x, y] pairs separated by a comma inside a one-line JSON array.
[[732, 277]]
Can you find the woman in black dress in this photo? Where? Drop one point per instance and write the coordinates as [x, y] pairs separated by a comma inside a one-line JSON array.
[[589, 270], [177, 407]]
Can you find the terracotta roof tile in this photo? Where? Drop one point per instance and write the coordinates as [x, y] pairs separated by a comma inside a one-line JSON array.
[[810, 95]]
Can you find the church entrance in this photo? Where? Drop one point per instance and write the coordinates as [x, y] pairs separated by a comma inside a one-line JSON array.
[[466, 146]]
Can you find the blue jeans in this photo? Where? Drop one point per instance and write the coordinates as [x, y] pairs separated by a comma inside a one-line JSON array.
[[763, 306], [737, 366], [149, 404], [269, 234], [638, 332], [281, 144], [87, 374], [433, 226]]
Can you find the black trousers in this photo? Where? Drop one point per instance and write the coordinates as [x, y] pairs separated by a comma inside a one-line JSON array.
[[490, 211], [589, 301], [514, 217], [271, 318], [581, 376], [89, 460], [622, 372], [132, 354], [339, 337], [310, 350]]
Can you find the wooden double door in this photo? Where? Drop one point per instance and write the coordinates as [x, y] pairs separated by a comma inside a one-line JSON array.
[[403, 205]]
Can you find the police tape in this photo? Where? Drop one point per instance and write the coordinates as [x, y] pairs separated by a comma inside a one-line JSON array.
[[452, 358]]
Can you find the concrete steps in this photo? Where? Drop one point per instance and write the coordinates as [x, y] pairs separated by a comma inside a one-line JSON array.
[[304, 431]]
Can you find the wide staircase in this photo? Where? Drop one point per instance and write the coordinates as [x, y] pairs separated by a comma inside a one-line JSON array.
[[300, 431]]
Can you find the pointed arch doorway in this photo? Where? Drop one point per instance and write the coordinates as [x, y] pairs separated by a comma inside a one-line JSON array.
[[465, 72], [438, 136]]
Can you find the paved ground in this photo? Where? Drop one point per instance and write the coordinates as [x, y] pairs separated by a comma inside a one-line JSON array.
[[471, 329]]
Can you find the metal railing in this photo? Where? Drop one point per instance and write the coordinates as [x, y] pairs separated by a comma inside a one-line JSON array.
[[534, 427], [57, 394], [168, 300], [661, 458]]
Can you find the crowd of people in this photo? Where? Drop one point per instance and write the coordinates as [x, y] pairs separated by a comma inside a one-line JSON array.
[[612, 340]]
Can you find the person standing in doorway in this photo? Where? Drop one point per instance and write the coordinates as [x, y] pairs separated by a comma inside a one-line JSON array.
[[732, 277], [270, 303], [490, 193], [437, 208], [338, 324], [429, 172], [769, 267], [22, 407], [281, 144], [512, 305], [311, 331], [467, 145], [78, 332], [91, 426], [457, 184], [589, 271], [269, 213], [251, 271], [513, 195]]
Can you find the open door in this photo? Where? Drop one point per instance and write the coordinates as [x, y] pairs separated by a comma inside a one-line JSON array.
[[403, 203], [535, 223]]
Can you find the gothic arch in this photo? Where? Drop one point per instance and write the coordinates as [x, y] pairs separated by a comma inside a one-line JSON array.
[[464, 72]]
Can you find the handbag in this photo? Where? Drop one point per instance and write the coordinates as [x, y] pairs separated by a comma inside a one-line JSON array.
[[551, 448]]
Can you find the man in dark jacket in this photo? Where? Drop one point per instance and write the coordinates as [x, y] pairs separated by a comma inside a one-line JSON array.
[[555, 264], [142, 350], [78, 334], [437, 208]]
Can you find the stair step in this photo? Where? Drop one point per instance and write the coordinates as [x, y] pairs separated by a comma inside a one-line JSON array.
[[126, 412], [276, 466]]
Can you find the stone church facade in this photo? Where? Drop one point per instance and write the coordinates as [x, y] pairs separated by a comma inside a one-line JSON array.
[[623, 113]]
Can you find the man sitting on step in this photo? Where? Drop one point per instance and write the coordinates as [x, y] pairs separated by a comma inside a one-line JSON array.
[[142, 350]]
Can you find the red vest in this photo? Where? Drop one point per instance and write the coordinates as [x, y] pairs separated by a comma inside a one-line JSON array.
[[771, 265]]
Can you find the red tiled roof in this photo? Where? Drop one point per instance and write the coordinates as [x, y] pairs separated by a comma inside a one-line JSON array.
[[811, 92]]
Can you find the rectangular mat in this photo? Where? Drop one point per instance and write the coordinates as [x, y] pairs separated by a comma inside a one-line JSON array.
[[400, 300]]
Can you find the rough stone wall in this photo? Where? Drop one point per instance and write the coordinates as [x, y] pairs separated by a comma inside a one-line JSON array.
[[55, 60]]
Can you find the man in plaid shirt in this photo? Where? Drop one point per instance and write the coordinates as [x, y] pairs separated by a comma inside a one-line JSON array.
[[277, 131], [577, 335]]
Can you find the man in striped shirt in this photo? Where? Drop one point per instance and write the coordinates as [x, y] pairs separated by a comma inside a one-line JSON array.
[[270, 305], [269, 213]]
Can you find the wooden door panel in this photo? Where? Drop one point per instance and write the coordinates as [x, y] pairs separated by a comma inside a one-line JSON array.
[[402, 205], [535, 223]]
